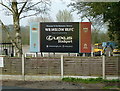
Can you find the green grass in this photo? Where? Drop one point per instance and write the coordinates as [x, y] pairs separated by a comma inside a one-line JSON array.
[[89, 80], [111, 87]]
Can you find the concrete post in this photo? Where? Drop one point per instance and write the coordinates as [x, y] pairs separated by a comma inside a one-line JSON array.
[[62, 69], [23, 67], [103, 66]]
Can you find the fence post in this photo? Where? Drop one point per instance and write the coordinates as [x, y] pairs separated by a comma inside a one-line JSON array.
[[103, 66], [23, 67], [62, 59]]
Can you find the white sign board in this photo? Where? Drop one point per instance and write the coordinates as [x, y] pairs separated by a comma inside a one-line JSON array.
[[1, 62]]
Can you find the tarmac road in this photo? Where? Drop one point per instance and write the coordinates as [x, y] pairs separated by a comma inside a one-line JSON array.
[[13, 87], [10, 84]]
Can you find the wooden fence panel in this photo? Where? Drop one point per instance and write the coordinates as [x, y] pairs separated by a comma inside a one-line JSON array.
[[42, 66], [83, 66], [112, 65], [79, 66], [12, 66]]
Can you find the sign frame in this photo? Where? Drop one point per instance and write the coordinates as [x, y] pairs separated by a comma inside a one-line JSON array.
[[56, 30]]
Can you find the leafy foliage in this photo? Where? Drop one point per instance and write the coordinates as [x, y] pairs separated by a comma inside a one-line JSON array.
[[100, 13], [99, 37]]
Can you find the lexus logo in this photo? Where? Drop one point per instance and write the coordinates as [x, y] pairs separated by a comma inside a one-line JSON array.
[[49, 38]]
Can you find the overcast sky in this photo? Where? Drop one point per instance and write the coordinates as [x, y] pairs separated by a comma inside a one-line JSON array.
[[55, 7]]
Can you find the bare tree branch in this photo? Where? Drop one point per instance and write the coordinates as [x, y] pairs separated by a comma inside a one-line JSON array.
[[19, 11], [7, 7], [23, 7], [8, 34], [30, 15], [32, 6], [90, 20]]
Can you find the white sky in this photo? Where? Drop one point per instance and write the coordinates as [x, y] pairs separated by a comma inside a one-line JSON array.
[[61, 5], [55, 7]]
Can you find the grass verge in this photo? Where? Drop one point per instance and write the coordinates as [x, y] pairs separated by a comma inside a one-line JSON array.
[[90, 80], [109, 84], [112, 87]]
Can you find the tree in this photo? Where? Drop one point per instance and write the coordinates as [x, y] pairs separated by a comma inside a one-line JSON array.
[[20, 10], [64, 16], [107, 12], [99, 36], [40, 19]]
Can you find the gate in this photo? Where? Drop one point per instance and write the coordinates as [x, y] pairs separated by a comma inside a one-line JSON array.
[[7, 49]]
